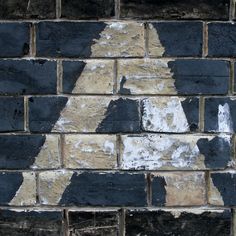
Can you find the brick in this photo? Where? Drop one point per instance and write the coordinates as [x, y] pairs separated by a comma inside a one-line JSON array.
[[175, 152], [84, 114], [88, 9], [178, 189], [88, 77], [28, 77], [220, 114], [92, 189], [29, 151], [90, 151], [14, 41], [175, 39], [17, 188], [188, 77], [15, 222], [89, 39], [178, 222], [222, 188], [182, 9], [93, 223], [170, 114], [12, 114], [221, 41]]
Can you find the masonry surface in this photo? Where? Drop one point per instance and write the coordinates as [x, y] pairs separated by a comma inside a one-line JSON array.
[[117, 118]]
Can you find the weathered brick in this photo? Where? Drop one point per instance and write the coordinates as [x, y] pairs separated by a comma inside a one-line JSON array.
[[17, 188], [175, 152], [89, 39], [169, 9], [92, 189], [170, 114], [12, 114], [222, 188], [28, 77], [175, 39], [178, 222], [154, 76], [15, 222], [29, 151], [221, 40], [220, 114], [178, 189], [14, 40], [24, 9], [88, 9], [88, 77], [84, 114], [93, 223], [90, 151]]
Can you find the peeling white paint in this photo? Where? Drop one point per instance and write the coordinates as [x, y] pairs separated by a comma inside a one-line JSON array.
[[224, 119], [117, 25], [109, 147]]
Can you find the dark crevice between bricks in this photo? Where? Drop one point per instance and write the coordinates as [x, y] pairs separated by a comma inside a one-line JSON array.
[[122, 115]]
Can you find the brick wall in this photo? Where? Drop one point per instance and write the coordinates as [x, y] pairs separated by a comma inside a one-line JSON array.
[[117, 117]]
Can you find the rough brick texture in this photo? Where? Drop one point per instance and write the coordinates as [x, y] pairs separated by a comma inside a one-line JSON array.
[[117, 118]]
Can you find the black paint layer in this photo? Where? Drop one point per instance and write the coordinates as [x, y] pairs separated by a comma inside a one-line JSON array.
[[28, 77], [88, 9], [25, 9], [105, 189], [9, 185], [30, 223], [221, 40], [163, 223], [71, 73], [93, 223], [200, 76], [122, 89], [191, 110], [19, 151], [158, 191], [217, 152], [14, 40], [67, 39], [44, 112], [12, 114], [175, 9], [227, 114], [122, 115], [226, 185], [180, 38]]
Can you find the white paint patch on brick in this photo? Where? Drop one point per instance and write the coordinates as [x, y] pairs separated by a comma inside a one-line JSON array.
[[164, 114], [224, 119]]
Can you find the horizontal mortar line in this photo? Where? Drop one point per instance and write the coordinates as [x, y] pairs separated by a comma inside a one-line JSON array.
[[107, 208], [118, 58], [121, 171], [113, 19], [122, 134]]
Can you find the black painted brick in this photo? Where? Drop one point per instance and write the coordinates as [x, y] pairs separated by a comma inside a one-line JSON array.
[[66, 39], [25, 9], [227, 114], [14, 40], [200, 76], [29, 223], [221, 40], [180, 38], [12, 114], [88, 9], [19, 151], [106, 189], [28, 77], [181, 9], [93, 223], [44, 112], [186, 224]]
